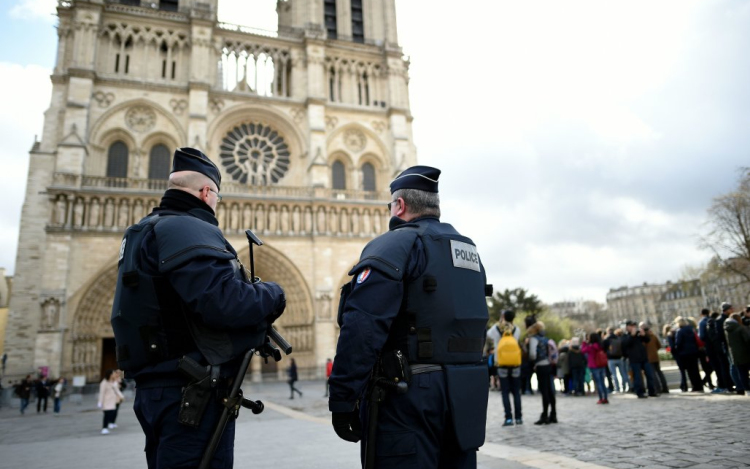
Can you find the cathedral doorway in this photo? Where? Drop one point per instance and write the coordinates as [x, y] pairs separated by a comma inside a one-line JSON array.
[[109, 355]]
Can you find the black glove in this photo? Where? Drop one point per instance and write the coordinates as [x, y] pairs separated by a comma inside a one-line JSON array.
[[281, 303], [280, 308], [347, 425]]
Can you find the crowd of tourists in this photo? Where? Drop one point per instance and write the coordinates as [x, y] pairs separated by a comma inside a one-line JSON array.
[[40, 389], [622, 359]]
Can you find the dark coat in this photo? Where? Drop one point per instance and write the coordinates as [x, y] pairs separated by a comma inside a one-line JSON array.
[[576, 359], [738, 338], [633, 347], [684, 341]]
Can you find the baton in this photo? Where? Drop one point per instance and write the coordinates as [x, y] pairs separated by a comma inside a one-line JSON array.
[[377, 395]]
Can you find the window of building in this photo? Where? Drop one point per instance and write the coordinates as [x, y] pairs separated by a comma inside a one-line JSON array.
[[358, 25], [168, 66], [168, 5], [122, 57], [339, 175], [368, 177], [329, 12], [136, 3], [158, 162], [117, 160]]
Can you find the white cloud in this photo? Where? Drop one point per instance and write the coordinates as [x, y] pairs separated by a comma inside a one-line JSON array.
[[25, 95], [34, 9]]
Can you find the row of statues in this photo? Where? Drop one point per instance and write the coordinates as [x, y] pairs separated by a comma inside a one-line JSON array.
[[285, 219]]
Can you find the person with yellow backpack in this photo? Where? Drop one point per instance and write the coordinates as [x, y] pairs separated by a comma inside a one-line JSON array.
[[508, 362]]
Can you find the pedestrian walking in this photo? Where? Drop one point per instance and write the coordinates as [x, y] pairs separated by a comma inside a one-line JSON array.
[[596, 359], [109, 397], [58, 390], [539, 355], [23, 391], [738, 339], [508, 360], [634, 348], [42, 393], [329, 368], [615, 360], [291, 373], [577, 364], [652, 351], [705, 352], [686, 346]]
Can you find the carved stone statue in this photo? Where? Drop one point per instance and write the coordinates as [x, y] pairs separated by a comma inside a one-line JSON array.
[[60, 211], [50, 314], [94, 214], [78, 210]]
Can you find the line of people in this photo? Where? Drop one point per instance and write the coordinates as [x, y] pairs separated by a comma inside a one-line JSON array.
[[617, 360]]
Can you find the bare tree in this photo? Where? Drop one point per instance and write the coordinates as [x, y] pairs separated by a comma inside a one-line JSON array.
[[728, 235]]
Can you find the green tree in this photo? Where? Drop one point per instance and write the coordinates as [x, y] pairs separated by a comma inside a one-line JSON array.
[[556, 328], [517, 299]]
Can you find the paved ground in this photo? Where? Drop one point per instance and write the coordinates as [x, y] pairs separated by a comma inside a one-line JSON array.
[[673, 431]]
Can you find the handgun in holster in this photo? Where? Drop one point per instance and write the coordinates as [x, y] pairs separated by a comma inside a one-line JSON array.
[[198, 393]]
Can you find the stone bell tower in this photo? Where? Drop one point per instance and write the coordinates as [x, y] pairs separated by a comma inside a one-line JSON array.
[[308, 124]]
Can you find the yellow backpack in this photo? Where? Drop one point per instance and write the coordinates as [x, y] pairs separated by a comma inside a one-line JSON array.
[[508, 351]]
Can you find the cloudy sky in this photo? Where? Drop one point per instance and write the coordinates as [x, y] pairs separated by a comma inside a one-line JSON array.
[[580, 141]]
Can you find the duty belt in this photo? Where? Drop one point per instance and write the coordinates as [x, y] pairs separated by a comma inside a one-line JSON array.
[[420, 368]]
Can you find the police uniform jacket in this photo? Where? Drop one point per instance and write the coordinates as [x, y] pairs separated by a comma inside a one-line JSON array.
[[373, 312], [208, 309]]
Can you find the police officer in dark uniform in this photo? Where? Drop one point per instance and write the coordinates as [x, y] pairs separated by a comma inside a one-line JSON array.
[[415, 311], [183, 297]]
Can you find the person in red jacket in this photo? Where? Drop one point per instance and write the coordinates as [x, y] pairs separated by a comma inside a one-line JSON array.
[[329, 368]]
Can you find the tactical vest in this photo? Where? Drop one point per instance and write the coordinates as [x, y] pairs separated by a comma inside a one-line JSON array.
[[150, 321], [444, 315]]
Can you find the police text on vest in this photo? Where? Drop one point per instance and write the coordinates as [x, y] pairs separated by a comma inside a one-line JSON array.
[[465, 255]]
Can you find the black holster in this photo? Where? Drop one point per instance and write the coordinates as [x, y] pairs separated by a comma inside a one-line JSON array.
[[195, 398], [198, 393]]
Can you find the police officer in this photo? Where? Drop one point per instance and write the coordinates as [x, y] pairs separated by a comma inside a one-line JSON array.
[[414, 311], [183, 295]]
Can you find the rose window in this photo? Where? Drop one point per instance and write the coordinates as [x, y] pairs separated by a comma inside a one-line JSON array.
[[254, 154]]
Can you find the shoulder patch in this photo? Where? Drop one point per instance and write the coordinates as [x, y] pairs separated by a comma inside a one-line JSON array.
[[465, 255], [364, 275], [122, 248]]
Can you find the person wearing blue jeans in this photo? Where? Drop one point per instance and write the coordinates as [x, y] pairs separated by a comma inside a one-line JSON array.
[[618, 365], [510, 383], [638, 368], [23, 390]]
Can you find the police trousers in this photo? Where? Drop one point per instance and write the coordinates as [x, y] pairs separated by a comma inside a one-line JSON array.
[[171, 445], [416, 429]]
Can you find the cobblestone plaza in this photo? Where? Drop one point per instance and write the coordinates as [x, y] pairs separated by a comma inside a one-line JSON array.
[[676, 430]]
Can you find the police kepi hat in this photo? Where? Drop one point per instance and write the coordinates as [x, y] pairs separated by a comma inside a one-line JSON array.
[[190, 159], [423, 178]]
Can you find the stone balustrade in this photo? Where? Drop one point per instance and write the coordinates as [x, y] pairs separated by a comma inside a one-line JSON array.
[[100, 204]]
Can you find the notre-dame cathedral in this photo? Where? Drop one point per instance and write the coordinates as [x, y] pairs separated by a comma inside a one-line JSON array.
[[308, 124]]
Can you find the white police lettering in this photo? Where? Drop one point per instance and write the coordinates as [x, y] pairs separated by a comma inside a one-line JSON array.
[[122, 249], [465, 255]]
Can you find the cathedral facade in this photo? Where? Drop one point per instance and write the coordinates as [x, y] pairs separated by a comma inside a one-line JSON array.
[[308, 124]]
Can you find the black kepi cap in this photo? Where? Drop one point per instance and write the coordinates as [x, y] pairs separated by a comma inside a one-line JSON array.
[[423, 178], [190, 159]]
